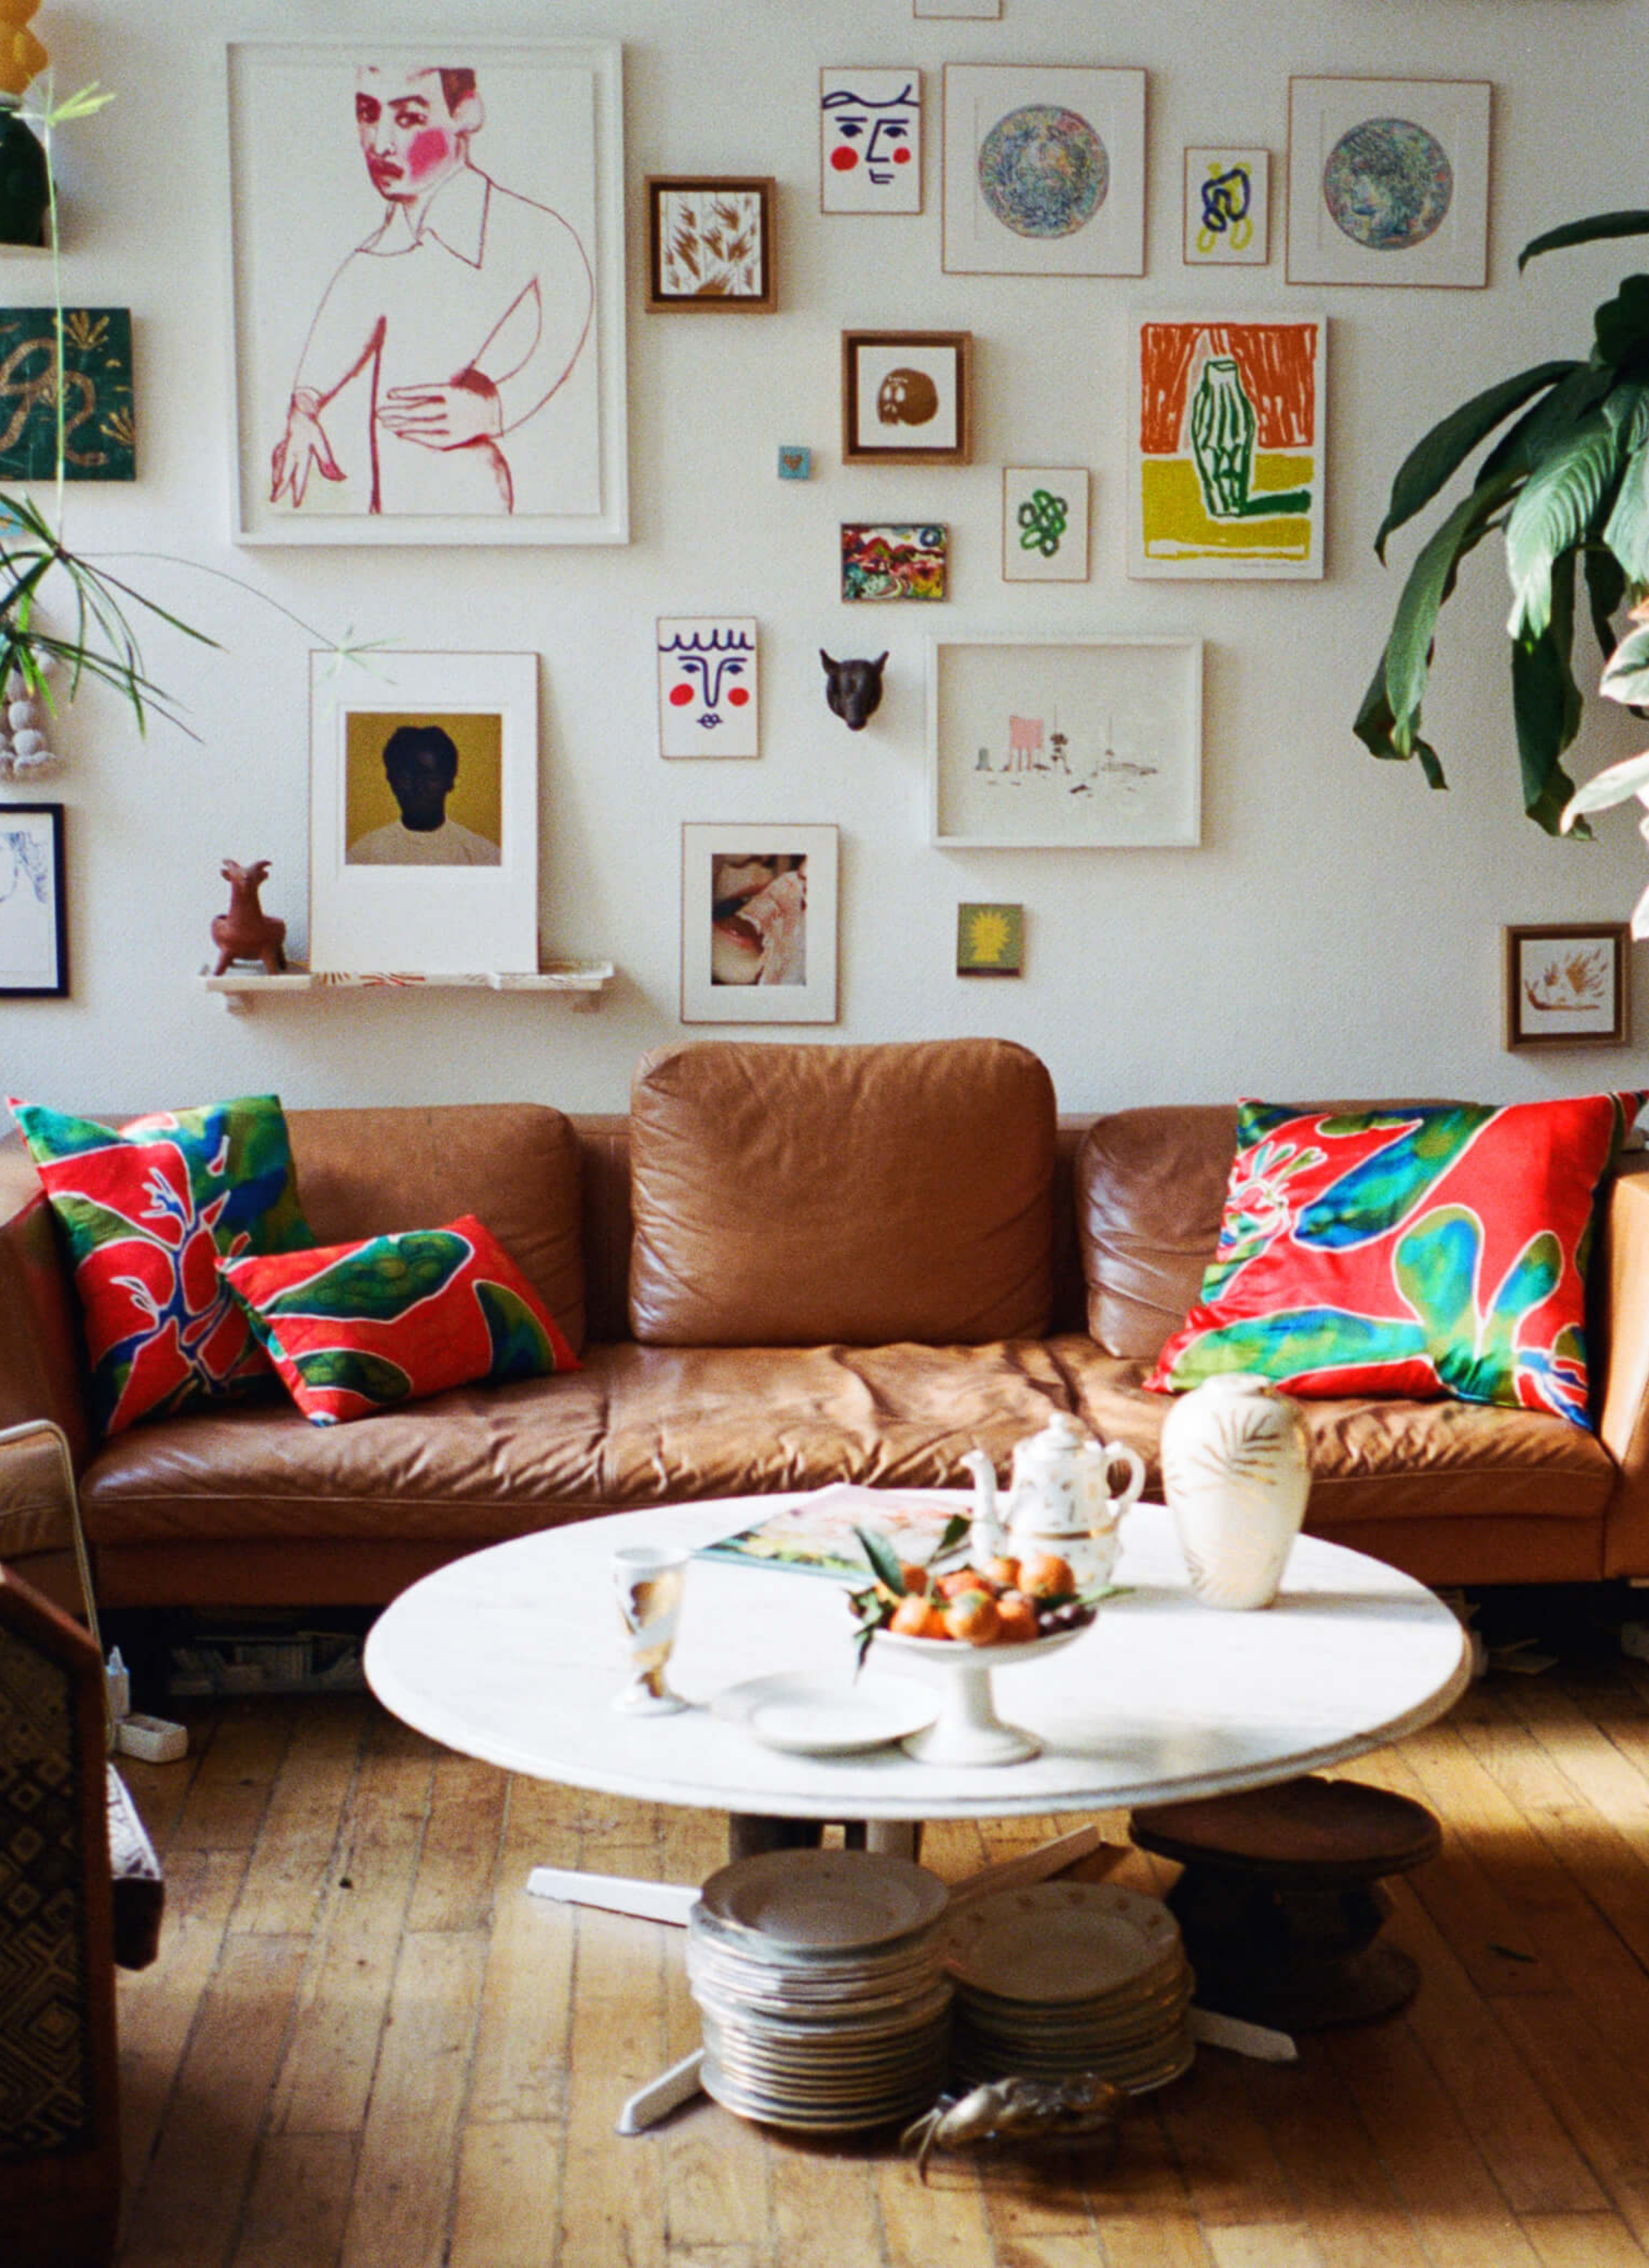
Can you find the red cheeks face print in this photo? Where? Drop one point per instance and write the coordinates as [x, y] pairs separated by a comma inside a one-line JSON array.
[[869, 148]]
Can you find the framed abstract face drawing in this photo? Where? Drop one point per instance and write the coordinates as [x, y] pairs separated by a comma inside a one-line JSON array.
[[429, 291]]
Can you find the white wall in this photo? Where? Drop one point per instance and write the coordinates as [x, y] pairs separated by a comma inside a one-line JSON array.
[[1340, 928]]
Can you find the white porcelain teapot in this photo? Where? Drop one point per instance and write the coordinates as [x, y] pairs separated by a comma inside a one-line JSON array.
[[1061, 1498]]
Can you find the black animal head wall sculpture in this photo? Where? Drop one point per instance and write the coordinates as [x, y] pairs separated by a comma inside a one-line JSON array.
[[853, 689]]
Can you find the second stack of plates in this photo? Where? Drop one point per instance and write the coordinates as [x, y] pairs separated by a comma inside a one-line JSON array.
[[819, 1983], [1065, 1978]]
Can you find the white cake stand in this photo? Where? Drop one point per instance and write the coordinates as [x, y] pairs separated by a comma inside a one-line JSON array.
[[968, 1729]]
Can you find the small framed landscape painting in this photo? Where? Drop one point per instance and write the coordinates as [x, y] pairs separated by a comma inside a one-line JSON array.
[[709, 245], [1388, 180], [1227, 208], [1044, 524], [758, 923], [1565, 984], [1064, 743], [870, 141], [1044, 170], [34, 920], [905, 397], [1227, 473], [424, 815], [709, 693], [894, 559]]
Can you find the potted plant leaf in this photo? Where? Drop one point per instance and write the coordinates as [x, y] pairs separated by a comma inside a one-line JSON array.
[[1564, 480]]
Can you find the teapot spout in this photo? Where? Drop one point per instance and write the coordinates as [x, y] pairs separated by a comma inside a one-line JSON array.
[[985, 1539]]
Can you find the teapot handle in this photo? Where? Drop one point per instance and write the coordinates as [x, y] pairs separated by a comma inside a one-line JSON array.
[[1128, 1496]]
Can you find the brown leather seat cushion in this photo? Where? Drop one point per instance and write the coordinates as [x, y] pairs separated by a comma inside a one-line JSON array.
[[515, 1166], [807, 1196], [1150, 1190]]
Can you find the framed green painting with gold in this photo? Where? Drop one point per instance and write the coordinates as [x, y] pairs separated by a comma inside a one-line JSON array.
[[99, 435]]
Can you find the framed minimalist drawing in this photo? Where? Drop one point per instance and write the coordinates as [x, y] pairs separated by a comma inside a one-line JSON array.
[[470, 390], [1388, 180], [1044, 170], [870, 140], [709, 245], [708, 700], [1227, 466], [1227, 208], [1064, 743], [758, 923], [895, 559], [1565, 984], [99, 431], [34, 919], [907, 397], [1044, 524], [424, 815]]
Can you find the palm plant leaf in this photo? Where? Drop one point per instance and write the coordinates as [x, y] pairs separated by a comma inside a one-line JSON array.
[[1625, 677], [1605, 588], [1626, 530], [1594, 230], [1431, 580], [1552, 514], [1375, 724], [1546, 704], [1434, 460], [1612, 786]]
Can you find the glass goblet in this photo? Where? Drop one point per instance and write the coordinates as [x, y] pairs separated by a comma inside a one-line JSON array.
[[649, 1579]]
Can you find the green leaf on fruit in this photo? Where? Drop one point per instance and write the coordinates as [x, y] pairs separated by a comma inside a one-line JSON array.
[[885, 1564]]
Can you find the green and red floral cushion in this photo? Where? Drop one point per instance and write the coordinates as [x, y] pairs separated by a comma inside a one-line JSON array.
[[1427, 1251], [148, 1210], [357, 1327]]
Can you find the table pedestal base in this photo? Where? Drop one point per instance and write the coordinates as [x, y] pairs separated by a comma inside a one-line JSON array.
[[749, 1834], [1279, 1903]]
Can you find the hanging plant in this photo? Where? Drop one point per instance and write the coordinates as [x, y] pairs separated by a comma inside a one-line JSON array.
[[1566, 487]]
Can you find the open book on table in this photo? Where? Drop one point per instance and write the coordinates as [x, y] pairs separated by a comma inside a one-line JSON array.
[[814, 1534]]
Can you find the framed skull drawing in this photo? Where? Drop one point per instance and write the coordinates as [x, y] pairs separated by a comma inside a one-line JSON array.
[[905, 397]]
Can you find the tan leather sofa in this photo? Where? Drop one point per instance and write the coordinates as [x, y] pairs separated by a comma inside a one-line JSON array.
[[792, 1264]]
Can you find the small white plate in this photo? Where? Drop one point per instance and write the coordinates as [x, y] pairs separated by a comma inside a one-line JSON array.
[[807, 1719]]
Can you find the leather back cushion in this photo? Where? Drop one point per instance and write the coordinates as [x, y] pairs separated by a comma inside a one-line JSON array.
[[514, 1165], [1150, 1189], [809, 1195]]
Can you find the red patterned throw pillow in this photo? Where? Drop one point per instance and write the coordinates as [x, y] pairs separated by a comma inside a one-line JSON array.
[[1428, 1251], [357, 1327], [148, 1210]]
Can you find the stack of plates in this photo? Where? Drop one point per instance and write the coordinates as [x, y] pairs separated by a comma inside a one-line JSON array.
[[1069, 1977], [820, 1981]]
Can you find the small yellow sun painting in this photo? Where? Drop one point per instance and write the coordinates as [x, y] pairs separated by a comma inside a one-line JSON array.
[[989, 941]]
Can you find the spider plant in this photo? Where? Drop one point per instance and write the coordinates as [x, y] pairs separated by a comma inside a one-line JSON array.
[[1565, 485]]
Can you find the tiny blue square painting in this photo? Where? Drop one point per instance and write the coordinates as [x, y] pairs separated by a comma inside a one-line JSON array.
[[99, 435], [795, 463]]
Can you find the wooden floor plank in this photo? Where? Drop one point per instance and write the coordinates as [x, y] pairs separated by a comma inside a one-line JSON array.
[[301, 1820], [1583, 2241], [454, 1887], [299, 2203], [506, 2197]]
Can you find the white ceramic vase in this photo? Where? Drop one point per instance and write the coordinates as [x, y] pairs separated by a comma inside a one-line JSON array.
[[1236, 1473]]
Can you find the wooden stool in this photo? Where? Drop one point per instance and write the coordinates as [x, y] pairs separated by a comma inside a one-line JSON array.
[[1279, 1903]]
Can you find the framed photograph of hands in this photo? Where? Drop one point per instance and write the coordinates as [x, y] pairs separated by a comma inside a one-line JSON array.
[[428, 291]]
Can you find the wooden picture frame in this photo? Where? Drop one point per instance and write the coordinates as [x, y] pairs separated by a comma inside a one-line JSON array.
[[758, 922], [314, 358], [907, 397], [711, 247], [33, 907], [1065, 742], [1565, 984], [1389, 181]]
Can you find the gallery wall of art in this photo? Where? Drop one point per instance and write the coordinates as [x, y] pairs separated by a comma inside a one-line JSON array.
[[1098, 469]]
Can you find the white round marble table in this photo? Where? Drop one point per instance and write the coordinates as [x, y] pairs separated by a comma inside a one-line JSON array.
[[513, 1654]]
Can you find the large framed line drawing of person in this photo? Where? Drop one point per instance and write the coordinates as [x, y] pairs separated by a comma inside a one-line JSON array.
[[429, 306]]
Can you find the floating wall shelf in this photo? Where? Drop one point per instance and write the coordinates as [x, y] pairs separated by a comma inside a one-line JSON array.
[[237, 989]]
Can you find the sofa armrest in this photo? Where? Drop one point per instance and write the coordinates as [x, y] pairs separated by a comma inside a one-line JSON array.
[[42, 1370], [1623, 1407]]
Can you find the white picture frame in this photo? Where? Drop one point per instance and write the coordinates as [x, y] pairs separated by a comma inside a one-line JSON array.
[[1207, 499], [323, 336], [870, 139], [1044, 170], [1044, 523], [1404, 163], [765, 951], [1227, 206], [33, 903], [385, 896], [1065, 742], [957, 10], [710, 700]]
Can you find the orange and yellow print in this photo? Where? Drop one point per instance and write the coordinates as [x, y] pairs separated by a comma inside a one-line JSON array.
[[1231, 446]]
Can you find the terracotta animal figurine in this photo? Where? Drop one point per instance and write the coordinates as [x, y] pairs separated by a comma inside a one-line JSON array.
[[245, 933], [853, 689]]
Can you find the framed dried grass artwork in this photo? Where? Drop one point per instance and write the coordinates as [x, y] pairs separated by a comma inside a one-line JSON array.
[[709, 245], [1565, 984]]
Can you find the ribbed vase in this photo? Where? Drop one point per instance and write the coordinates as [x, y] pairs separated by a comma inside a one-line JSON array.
[[1236, 1473]]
